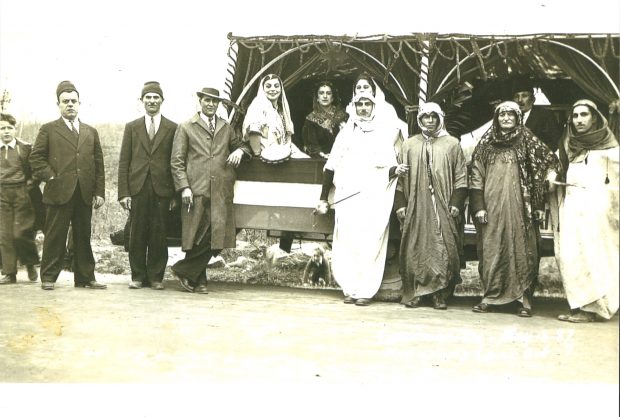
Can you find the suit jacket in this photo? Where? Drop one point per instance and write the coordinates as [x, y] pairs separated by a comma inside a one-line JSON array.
[[199, 162], [140, 157], [545, 126], [57, 153]]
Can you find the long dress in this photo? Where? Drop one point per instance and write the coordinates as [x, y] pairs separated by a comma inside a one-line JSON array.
[[430, 245], [508, 243], [361, 162], [588, 235]]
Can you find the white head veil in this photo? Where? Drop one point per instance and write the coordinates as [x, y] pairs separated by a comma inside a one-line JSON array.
[[263, 118], [428, 108]]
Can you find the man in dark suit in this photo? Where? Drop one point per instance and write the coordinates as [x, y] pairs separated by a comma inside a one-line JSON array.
[[205, 153], [145, 188], [67, 156], [539, 120]]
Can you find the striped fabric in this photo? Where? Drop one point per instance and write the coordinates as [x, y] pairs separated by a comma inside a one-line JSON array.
[[281, 196]]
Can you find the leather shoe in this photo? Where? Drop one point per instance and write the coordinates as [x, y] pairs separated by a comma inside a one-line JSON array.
[[32, 273], [157, 285], [184, 283], [135, 285], [362, 302], [438, 303], [524, 312], [415, 303], [8, 279], [47, 286], [201, 289], [348, 300], [480, 308], [93, 285], [580, 317]]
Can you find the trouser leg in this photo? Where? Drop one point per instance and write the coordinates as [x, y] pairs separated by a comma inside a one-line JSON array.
[[193, 267], [7, 247], [83, 259], [57, 219], [23, 229]]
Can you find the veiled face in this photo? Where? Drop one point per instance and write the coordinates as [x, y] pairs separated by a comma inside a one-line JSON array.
[[363, 86], [507, 120], [583, 119], [363, 107], [430, 121], [325, 96], [272, 89]]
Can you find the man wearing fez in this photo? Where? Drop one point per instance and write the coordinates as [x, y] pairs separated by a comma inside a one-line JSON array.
[[205, 153], [67, 156], [145, 188], [539, 120]]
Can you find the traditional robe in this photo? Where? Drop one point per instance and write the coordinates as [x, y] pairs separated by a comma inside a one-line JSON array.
[[586, 237], [431, 242], [361, 160]]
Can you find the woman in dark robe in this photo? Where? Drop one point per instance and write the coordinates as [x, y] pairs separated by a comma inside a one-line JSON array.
[[507, 196], [324, 123]]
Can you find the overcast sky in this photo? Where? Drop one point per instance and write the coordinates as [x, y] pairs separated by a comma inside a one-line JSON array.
[[110, 48]]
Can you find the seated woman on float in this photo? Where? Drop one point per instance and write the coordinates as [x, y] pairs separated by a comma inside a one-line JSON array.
[[268, 126]]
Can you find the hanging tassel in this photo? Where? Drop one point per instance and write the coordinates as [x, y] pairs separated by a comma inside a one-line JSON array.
[[607, 173]]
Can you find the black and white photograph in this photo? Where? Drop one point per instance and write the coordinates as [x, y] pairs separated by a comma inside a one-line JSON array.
[[312, 208]]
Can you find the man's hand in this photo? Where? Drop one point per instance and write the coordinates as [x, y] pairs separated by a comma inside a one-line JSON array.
[[98, 201], [234, 158], [402, 170], [173, 204], [125, 203], [322, 207], [401, 213], [454, 212], [538, 215], [187, 197], [481, 217], [551, 177]]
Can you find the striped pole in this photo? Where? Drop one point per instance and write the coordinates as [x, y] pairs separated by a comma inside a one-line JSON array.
[[423, 74], [233, 51]]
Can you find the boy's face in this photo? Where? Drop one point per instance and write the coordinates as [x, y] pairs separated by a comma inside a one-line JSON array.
[[7, 132]]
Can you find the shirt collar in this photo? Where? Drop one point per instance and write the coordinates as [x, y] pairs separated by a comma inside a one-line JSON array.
[[76, 123], [206, 118], [11, 144], [156, 118]]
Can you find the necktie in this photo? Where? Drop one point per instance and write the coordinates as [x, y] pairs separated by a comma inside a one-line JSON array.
[[152, 128], [73, 129], [211, 125]]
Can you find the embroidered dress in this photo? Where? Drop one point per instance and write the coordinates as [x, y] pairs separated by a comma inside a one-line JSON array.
[[321, 128], [509, 170]]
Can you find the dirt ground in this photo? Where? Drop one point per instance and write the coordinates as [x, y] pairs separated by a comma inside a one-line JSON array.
[[263, 341]]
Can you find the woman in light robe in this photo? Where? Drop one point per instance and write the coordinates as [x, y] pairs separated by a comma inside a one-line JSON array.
[[587, 233], [267, 125], [359, 169]]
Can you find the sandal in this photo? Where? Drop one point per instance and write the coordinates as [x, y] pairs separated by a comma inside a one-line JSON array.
[[415, 303], [524, 312], [480, 308]]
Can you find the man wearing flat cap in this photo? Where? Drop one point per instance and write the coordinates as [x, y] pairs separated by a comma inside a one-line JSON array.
[[539, 120], [145, 188], [205, 153], [67, 156]]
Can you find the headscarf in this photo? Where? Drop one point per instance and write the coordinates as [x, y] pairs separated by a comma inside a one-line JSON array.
[[428, 108], [273, 124], [329, 118], [366, 124], [534, 158], [575, 146]]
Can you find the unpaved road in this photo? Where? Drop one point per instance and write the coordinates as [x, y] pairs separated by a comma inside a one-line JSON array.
[[251, 333]]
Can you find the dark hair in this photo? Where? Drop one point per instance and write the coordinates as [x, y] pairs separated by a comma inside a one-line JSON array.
[[325, 83], [272, 77], [5, 117], [367, 77]]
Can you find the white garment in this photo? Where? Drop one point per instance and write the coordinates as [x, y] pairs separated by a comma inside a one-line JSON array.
[[588, 237], [361, 162]]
